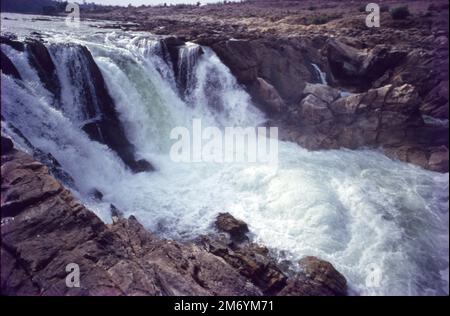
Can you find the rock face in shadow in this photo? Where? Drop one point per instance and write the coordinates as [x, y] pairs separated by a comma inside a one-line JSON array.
[[40, 59], [7, 66], [274, 73], [44, 229], [352, 67]]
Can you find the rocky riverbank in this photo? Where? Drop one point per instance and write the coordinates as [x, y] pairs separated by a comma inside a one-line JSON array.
[[277, 49], [44, 228]]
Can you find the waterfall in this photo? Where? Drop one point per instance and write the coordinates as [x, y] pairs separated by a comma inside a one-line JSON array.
[[187, 59], [382, 223], [321, 74]]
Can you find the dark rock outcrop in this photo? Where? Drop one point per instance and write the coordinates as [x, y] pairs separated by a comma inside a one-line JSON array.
[[7, 145], [40, 59], [7, 66], [237, 229], [388, 116], [274, 74], [250, 260], [320, 278], [356, 68], [44, 229], [11, 40]]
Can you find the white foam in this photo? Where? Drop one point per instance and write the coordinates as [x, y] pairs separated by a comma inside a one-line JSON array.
[[382, 223]]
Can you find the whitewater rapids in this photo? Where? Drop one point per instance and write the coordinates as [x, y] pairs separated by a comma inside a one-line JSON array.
[[384, 224]]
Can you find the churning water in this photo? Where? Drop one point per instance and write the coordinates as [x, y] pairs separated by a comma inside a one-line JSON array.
[[382, 223]]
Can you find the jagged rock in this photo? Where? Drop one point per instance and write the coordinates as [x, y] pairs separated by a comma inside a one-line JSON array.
[[237, 229], [324, 92], [41, 60], [324, 273], [388, 116], [268, 96], [251, 260], [7, 66], [436, 102], [313, 110], [46, 158], [317, 278], [439, 159], [380, 59], [345, 61], [428, 72], [354, 67], [11, 40], [434, 158]]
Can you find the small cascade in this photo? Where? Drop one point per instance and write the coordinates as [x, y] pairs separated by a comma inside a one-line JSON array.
[[156, 52], [322, 76], [188, 56]]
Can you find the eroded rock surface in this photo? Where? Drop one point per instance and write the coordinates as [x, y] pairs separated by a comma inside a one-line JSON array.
[[44, 228]]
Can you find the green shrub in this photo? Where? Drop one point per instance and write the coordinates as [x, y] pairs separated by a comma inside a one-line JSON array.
[[400, 13]]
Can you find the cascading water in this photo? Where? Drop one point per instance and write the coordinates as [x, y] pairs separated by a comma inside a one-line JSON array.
[[382, 223]]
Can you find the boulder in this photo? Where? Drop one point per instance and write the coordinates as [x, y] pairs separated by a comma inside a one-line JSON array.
[[381, 59], [250, 260], [345, 61], [313, 110], [267, 96], [388, 116], [438, 160], [237, 229], [323, 272], [324, 92], [317, 278]]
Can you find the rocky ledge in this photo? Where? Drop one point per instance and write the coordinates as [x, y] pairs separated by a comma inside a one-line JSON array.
[[44, 228]]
